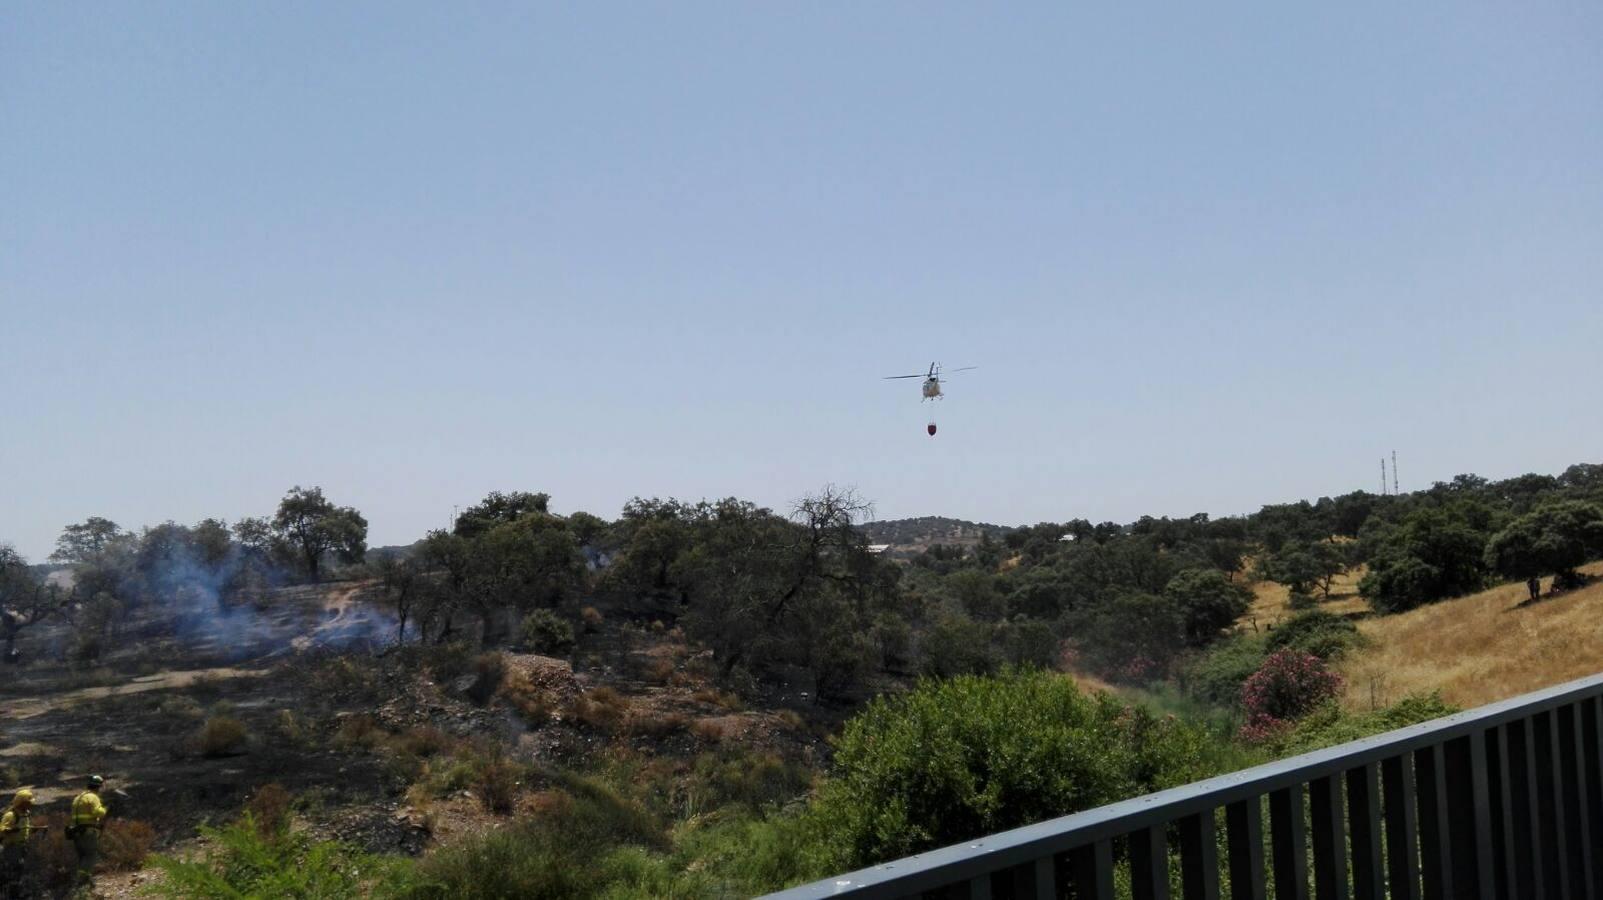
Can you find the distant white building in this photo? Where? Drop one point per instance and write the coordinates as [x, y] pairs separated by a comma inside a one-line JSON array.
[[878, 548]]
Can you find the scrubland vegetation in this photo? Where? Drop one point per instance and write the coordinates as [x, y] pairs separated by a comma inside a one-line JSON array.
[[715, 699]]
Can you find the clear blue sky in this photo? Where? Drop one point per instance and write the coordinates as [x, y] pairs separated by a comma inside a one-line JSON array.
[[1208, 256]]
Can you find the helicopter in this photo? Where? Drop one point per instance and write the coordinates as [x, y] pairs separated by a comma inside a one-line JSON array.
[[932, 385]]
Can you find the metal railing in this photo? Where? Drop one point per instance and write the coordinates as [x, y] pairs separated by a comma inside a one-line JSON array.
[[1503, 801]]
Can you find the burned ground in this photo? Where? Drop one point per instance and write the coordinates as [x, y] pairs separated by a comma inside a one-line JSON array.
[[391, 748]]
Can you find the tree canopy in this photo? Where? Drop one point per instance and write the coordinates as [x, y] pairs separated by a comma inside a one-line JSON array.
[[314, 528], [1551, 540]]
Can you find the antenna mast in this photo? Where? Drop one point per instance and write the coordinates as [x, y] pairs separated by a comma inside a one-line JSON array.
[[1383, 476], [1394, 472]]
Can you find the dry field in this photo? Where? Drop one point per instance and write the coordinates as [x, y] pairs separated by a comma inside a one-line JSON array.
[[1271, 602], [1480, 648]]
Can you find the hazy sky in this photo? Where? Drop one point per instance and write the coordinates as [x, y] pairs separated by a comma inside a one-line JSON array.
[[1207, 256]]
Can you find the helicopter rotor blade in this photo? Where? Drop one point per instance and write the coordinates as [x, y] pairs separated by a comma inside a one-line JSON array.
[[893, 377], [964, 369]]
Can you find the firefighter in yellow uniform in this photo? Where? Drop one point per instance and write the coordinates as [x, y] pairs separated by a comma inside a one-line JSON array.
[[15, 827], [88, 816]]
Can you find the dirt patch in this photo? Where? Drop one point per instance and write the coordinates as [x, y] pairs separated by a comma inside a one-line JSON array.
[[28, 707]]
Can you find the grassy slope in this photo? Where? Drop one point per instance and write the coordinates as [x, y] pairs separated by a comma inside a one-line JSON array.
[[1271, 601], [1480, 648]]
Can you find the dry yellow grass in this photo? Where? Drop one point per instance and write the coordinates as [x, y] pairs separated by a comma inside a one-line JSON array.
[[1480, 648], [1271, 600], [1091, 684]]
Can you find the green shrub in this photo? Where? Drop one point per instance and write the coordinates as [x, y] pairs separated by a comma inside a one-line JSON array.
[[976, 592], [603, 709], [634, 873], [751, 779], [424, 741], [1132, 638], [445, 775], [1216, 677], [1435, 552], [958, 646], [292, 729], [552, 853], [546, 632], [750, 856], [893, 638], [1210, 602], [359, 732], [242, 862], [526, 859], [497, 785], [1028, 643], [1330, 726], [1324, 634], [220, 736], [970, 755]]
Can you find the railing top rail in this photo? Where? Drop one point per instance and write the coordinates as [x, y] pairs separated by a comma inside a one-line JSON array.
[[960, 862]]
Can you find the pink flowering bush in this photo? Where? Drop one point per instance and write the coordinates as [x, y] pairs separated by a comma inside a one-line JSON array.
[[1289, 685]]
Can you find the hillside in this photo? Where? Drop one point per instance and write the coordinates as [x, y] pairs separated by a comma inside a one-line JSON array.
[[399, 748], [925, 531], [1475, 649], [1271, 601], [689, 685], [1480, 648]]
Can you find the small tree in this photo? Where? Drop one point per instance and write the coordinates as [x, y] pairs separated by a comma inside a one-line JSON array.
[[499, 509], [94, 624], [405, 586], [1552, 540], [25, 599], [1303, 566], [81, 542], [765, 592], [452, 556], [1210, 602], [1133, 637], [516, 566], [1330, 560], [315, 528], [976, 592], [955, 645]]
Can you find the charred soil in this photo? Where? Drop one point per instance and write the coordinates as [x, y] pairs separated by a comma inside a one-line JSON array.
[[391, 748]]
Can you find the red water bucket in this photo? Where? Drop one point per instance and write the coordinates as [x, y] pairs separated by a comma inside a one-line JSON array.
[[931, 429]]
